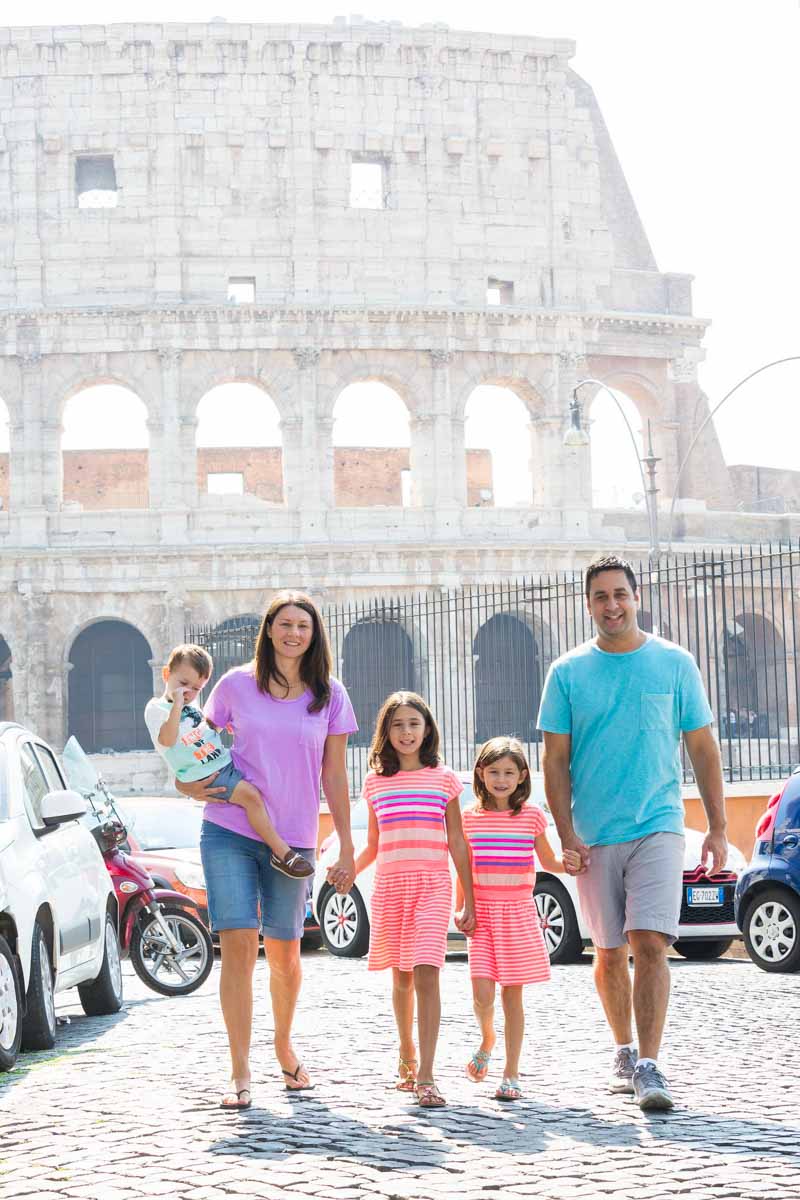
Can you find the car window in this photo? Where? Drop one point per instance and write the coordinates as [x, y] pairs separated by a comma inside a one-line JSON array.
[[34, 783], [165, 826], [50, 768], [4, 801]]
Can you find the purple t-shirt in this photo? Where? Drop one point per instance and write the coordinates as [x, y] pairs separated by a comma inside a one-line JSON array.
[[278, 747]]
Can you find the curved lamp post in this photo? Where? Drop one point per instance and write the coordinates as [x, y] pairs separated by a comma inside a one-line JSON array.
[[775, 363], [576, 436]]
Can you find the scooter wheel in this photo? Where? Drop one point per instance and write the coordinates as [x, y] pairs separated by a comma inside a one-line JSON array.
[[158, 965]]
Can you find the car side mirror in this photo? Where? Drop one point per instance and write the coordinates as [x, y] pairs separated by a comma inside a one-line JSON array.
[[58, 807]]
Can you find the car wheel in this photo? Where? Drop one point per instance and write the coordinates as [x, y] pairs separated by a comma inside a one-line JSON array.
[[10, 1008], [344, 924], [39, 1022], [562, 937], [704, 949], [772, 930], [103, 995]]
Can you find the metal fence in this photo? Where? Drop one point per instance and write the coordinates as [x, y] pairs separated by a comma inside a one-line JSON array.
[[479, 654]]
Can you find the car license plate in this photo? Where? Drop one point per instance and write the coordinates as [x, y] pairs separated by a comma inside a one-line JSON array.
[[705, 895]]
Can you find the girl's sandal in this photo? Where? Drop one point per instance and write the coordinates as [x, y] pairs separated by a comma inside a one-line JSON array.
[[407, 1072], [480, 1066], [509, 1090], [429, 1096]]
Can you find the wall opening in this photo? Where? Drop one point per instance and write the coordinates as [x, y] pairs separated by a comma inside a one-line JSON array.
[[368, 183], [241, 289], [377, 659], [109, 684], [616, 478], [239, 444], [508, 679], [499, 291], [371, 440], [498, 446], [754, 673], [5, 458], [6, 685], [104, 449], [96, 181]]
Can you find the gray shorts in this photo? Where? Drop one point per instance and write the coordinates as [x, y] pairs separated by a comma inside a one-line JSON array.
[[633, 885], [228, 777]]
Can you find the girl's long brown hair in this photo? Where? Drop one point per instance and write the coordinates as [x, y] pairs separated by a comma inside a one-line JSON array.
[[491, 752], [316, 663], [382, 754]]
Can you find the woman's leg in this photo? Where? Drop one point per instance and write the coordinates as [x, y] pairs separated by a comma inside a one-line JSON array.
[[429, 1009], [239, 950], [515, 1028], [285, 979], [483, 1004]]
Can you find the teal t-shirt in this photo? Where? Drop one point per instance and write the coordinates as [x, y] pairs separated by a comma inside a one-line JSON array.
[[625, 714]]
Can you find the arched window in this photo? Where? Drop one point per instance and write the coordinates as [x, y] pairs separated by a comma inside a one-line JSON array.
[[508, 679], [109, 684], [377, 659], [5, 459], [498, 443], [616, 478], [233, 643], [6, 690], [371, 440], [105, 448], [239, 444], [754, 669]]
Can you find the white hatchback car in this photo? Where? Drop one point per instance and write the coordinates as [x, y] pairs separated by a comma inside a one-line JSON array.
[[58, 911], [707, 925]]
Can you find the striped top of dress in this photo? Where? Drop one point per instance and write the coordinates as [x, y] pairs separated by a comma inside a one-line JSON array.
[[409, 808], [501, 847]]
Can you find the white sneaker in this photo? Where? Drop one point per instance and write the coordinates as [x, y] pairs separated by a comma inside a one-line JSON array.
[[622, 1072]]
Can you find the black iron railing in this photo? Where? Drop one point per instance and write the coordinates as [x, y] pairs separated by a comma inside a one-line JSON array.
[[479, 654]]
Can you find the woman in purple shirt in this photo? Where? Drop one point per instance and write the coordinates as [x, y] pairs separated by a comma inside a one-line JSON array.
[[290, 722]]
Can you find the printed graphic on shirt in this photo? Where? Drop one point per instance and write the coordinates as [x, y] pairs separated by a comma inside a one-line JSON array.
[[198, 750]]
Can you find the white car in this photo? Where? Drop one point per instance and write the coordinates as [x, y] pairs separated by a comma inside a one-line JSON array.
[[707, 925], [58, 911]]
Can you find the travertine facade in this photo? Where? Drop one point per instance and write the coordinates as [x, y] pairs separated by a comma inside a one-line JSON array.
[[228, 150]]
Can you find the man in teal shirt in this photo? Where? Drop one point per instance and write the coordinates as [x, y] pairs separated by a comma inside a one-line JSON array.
[[613, 711]]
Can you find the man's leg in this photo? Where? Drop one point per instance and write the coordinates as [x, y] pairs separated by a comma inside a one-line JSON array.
[[613, 982], [650, 988], [285, 979]]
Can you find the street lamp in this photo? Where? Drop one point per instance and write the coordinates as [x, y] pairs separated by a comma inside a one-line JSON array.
[[775, 363], [576, 436]]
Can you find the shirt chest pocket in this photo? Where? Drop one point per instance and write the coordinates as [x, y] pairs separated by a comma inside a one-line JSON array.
[[656, 712], [313, 729]]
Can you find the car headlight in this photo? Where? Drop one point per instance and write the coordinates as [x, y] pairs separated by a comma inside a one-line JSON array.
[[191, 876]]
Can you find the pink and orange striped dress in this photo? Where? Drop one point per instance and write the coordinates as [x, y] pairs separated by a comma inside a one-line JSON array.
[[507, 945], [413, 895]]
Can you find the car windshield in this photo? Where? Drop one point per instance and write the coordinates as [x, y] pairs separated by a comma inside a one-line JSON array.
[[164, 826]]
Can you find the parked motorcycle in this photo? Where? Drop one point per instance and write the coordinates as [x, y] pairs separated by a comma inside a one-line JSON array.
[[168, 943]]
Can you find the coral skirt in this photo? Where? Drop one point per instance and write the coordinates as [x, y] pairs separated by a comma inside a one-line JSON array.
[[409, 919], [507, 945]]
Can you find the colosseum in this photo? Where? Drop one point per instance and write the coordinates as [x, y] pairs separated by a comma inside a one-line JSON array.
[[302, 210]]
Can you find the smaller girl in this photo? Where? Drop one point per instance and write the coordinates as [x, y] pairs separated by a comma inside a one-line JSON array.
[[414, 819], [507, 946]]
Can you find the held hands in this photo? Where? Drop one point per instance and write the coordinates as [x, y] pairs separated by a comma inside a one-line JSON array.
[[715, 846], [573, 865], [465, 920], [342, 873], [576, 855]]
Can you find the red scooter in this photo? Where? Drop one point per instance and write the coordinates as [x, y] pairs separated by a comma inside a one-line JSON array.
[[168, 943]]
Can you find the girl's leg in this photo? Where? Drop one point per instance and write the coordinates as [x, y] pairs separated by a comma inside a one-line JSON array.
[[239, 951], [483, 1004], [515, 1028], [429, 1011], [403, 1005]]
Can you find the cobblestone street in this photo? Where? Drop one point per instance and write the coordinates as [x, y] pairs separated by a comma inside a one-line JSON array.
[[127, 1106]]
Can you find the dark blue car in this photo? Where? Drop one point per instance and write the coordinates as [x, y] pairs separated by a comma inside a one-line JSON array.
[[767, 901]]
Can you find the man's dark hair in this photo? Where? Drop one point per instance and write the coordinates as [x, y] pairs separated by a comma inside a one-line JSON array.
[[609, 562]]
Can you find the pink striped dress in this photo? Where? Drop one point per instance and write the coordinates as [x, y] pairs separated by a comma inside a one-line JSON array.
[[507, 945], [412, 899]]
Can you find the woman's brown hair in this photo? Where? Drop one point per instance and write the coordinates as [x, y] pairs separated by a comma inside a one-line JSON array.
[[316, 663], [491, 752], [382, 754]]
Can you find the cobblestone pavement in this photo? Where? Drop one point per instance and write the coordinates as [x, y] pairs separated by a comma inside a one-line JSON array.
[[125, 1107]]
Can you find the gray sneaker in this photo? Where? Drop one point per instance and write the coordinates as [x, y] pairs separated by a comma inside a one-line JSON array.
[[650, 1088], [622, 1071]]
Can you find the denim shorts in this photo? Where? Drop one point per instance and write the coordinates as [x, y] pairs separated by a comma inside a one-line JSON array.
[[245, 892], [228, 777]]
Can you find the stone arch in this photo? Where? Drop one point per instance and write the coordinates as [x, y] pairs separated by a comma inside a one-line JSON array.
[[532, 392], [63, 386], [239, 443], [403, 373], [276, 379], [6, 682], [377, 659], [616, 475], [642, 391], [753, 683], [508, 678], [232, 643], [370, 470], [110, 681], [498, 448], [104, 470]]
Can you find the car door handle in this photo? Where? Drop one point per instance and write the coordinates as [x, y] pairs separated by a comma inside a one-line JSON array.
[[790, 841]]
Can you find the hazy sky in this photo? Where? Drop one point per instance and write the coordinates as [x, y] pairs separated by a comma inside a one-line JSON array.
[[701, 99]]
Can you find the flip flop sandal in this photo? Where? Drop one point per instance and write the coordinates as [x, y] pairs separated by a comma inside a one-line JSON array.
[[239, 1104], [480, 1061], [300, 1087], [509, 1090], [408, 1075], [293, 865], [429, 1096]]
